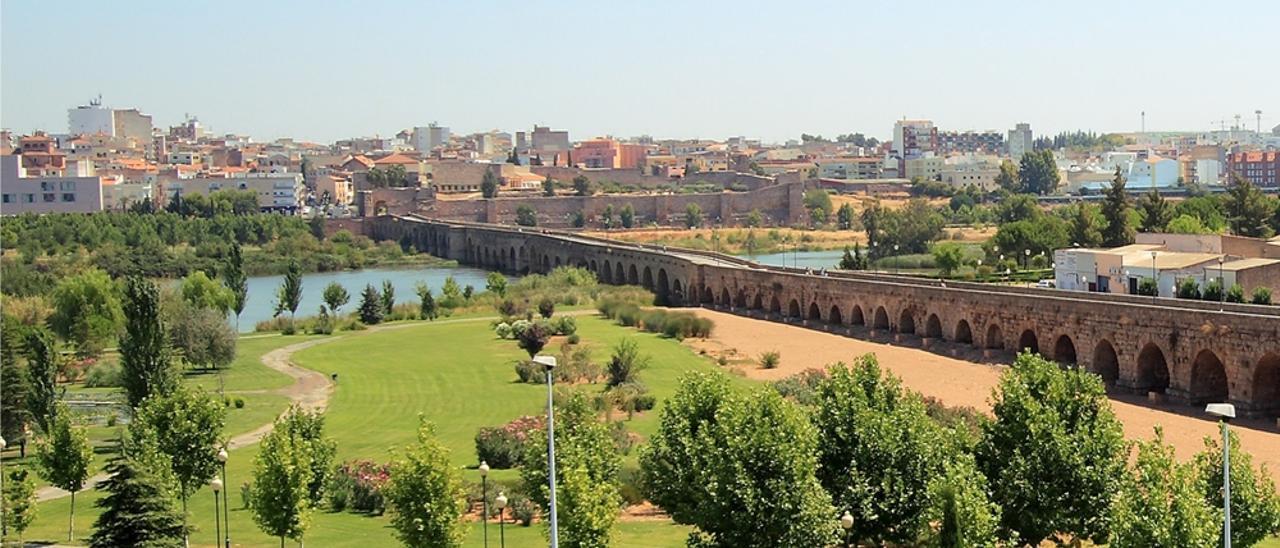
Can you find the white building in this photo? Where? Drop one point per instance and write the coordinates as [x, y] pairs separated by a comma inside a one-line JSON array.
[[42, 193], [91, 119], [276, 192], [1208, 172], [1021, 141], [427, 138]]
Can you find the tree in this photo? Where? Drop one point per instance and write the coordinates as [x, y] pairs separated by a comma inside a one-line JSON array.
[[1085, 220], [548, 187], [200, 291], [871, 223], [1038, 173], [1008, 177], [818, 203], [1115, 209], [203, 337], [526, 216], [588, 465], [1261, 295], [720, 455], [233, 277], [370, 306], [535, 337], [427, 303], [627, 216], [187, 427], [1054, 455], [581, 185], [1187, 224], [1188, 288], [43, 364], [19, 501], [692, 215], [388, 298], [755, 219], [958, 503], [489, 184], [1160, 502], [848, 261], [1156, 212], [546, 307], [877, 451], [63, 459], [948, 257], [308, 428], [1255, 508], [425, 494], [625, 364], [845, 216], [1235, 294], [138, 508], [86, 311], [146, 367], [16, 411], [1019, 207], [336, 296], [279, 496], [1247, 208], [289, 295]]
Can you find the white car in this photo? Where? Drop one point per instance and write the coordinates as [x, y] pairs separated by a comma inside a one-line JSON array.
[[1046, 284]]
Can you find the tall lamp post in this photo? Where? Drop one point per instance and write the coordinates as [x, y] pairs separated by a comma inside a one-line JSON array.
[[1225, 412], [846, 523], [501, 503], [1155, 277], [484, 499], [216, 485], [1222, 283], [549, 363], [4, 522], [226, 506]]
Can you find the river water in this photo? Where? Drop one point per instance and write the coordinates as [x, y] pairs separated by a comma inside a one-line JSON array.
[[262, 289], [802, 259]]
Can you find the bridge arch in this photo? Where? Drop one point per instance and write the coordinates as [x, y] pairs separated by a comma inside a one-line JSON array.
[[933, 327], [633, 275], [1153, 370], [757, 303], [1105, 362], [1266, 383], [856, 317], [606, 271], [793, 308], [706, 296], [1027, 342], [834, 316], [647, 279], [677, 292], [1208, 379], [995, 337], [1064, 350], [881, 319], [775, 306], [619, 274], [512, 260], [559, 263], [595, 268], [724, 296], [663, 289], [963, 334], [740, 300], [815, 314], [907, 321]]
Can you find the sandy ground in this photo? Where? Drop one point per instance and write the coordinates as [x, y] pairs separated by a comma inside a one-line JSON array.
[[829, 239], [956, 382]]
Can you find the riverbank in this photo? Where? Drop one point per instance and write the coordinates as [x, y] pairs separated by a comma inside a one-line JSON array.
[[764, 241]]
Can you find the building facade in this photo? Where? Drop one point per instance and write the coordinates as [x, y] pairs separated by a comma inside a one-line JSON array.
[[276, 192], [1258, 167], [1021, 140], [91, 119], [428, 138], [45, 193], [970, 142]]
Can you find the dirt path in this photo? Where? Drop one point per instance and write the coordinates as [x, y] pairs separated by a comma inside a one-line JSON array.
[[956, 382]]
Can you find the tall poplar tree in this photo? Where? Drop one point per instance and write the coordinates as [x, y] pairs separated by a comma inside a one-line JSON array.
[[1115, 209], [234, 278], [146, 365]]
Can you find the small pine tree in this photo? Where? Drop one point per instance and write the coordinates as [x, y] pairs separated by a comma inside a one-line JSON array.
[[427, 309], [388, 298], [848, 261], [19, 501], [137, 511], [64, 458], [370, 306]]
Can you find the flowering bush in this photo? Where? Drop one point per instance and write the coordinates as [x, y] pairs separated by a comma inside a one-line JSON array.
[[504, 446], [358, 485], [518, 327], [503, 330]]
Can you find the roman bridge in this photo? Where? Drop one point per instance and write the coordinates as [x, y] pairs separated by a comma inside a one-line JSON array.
[[1189, 351]]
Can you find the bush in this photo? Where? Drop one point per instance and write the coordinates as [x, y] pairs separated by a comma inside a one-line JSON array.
[[1212, 291], [575, 365], [801, 387], [245, 489], [771, 359], [523, 510], [518, 327], [626, 363], [565, 325], [358, 485], [238, 402], [1261, 295], [574, 339], [503, 446], [502, 330], [1188, 288], [646, 402], [1235, 294], [546, 307], [103, 375], [529, 372]]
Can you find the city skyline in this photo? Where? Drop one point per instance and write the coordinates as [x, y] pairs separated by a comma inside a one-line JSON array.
[[710, 72]]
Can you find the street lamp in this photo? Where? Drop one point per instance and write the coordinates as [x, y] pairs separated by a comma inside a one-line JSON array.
[[1155, 277], [216, 485], [979, 270], [846, 523], [226, 506], [484, 499], [1026, 263], [501, 503], [549, 362], [1222, 283], [895, 258], [1225, 412]]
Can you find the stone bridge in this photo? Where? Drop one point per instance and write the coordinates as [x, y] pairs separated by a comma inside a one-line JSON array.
[[1189, 351]]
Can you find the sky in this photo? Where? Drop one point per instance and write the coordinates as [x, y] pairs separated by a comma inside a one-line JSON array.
[[326, 70]]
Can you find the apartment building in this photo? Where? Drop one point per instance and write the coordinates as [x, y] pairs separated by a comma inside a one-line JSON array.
[[970, 142], [1021, 140], [1261, 168], [849, 168], [605, 153], [45, 192], [276, 192]]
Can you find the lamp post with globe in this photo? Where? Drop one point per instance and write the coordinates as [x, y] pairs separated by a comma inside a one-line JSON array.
[[501, 503]]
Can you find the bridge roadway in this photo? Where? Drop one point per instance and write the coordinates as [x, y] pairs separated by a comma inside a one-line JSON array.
[[1189, 351]]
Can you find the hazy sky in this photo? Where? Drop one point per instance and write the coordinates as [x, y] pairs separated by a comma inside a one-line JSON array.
[[326, 70]]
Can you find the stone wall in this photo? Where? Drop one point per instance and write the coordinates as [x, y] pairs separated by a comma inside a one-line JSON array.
[[635, 177]]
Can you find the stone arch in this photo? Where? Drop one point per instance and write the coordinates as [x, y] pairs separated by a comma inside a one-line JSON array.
[[834, 316], [1028, 342], [724, 296], [1153, 370], [1105, 362], [512, 260], [633, 275], [774, 305], [757, 303], [663, 289], [814, 312], [881, 320], [856, 317], [706, 296], [607, 272], [907, 321], [963, 334], [619, 275], [677, 292], [1064, 350], [1208, 379], [933, 327], [546, 262], [1266, 383], [995, 337], [647, 279], [793, 308], [559, 263], [595, 268], [740, 300]]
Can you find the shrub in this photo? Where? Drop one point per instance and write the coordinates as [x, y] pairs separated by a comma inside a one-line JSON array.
[[802, 386], [358, 485], [1212, 291], [623, 439], [103, 375], [565, 325], [646, 402], [1261, 295], [1235, 294], [771, 359], [1188, 288], [529, 372], [626, 363], [575, 365], [290, 328], [510, 309], [574, 339], [518, 327], [323, 324], [239, 402], [245, 489], [523, 510], [503, 446], [502, 330], [546, 307]]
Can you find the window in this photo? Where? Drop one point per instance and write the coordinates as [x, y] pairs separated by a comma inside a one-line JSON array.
[[28, 198], [8, 198], [46, 186], [49, 197], [68, 197], [67, 185]]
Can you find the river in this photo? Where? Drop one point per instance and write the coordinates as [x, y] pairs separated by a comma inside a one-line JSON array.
[[262, 289], [802, 259]]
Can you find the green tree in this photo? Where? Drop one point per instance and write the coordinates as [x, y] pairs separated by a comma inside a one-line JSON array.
[[1085, 222], [1019, 207], [581, 186], [86, 311], [1248, 209], [1038, 173], [1054, 455], [692, 215], [16, 410], [606, 216], [958, 503], [871, 223], [203, 337], [233, 277], [1007, 179], [388, 298], [187, 426], [19, 501], [496, 283], [627, 216], [138, 508], [847, 260], [1115, 209], [489, 184], [63, 459], [1235, 294], [948, 256], [535, 337], [755, 219], [308, 429], [425, 494], [526, 216], [1255, 508], [1187, 224], [43, 364], [201, 292], [336, 296], [427, 304], [845, 217], [671, 464], [279, 495], [1160, 503], [818, 203], [877, 451], [289, 295], [370, 306], [1188, 288], [548, 187], [587, 468], [146, 367], [1156, 212]]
